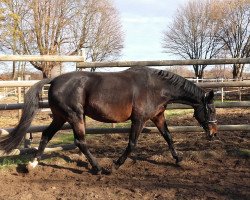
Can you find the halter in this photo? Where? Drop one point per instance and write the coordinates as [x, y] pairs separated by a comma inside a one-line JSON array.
[[207, 121], [206, 113]]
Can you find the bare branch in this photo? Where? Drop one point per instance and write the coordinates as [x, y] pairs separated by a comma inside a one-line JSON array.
[[62, 27], [191, 35]]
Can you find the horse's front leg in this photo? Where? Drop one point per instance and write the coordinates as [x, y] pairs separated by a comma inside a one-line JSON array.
[[136, 128], [160, 123]]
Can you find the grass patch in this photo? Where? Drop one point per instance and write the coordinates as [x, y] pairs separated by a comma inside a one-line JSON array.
[[174, 113], [126, 124], [22, 160], [242, 153], [66, 138], [14, 160], [63, 138]]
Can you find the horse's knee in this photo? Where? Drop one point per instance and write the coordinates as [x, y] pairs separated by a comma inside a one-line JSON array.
[[78, 143], [81, 144]]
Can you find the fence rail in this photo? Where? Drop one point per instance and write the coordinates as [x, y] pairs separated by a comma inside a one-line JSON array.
[[245, 83], [164, 62], [239, 127], [42, 58], [225, 84], [17, 83], [81, 59]]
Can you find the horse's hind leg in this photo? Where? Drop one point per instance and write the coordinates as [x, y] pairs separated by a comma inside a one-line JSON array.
[[47, 134], [80, 142]]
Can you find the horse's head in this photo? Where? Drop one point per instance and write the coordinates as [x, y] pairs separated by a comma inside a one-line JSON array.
[[205, 114]]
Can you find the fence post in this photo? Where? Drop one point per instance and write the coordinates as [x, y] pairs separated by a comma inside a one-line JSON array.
[[19, 97], [26, 78], [28, 136], [5, 91], [197, 79], [239, 89], [222, 91]]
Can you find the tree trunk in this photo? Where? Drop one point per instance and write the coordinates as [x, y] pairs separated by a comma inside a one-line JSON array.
[[237, 71], [242, 70], [46, 69], [46, 73], [14, 72], [196, 70], [199, 72]]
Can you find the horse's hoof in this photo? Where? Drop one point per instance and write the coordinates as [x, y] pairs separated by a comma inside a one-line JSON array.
[[178, 159], [32, 165], [106, 171], [22, 168], [116, 165], [96, 170]]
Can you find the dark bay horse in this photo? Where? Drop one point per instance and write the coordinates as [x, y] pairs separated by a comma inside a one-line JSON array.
[[136, 94]]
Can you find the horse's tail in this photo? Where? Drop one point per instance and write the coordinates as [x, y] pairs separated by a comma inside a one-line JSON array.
[[31, 104]]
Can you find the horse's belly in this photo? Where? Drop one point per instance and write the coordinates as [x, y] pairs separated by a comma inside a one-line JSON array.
[[108, 113]]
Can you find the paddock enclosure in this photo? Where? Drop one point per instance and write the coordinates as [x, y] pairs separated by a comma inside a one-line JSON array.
[[210, 170]]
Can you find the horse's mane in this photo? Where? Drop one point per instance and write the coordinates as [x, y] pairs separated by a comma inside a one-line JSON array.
[[175, 80], [179, 82]]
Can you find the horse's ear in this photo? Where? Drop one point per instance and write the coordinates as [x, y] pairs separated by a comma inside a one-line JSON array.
[[209, 96]]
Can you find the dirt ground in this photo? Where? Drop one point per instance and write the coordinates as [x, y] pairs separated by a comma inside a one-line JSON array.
[[218, 169]]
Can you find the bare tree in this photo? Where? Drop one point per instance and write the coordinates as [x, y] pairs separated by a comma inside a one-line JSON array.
[[191, 34], [1, 19], [9, 32], [235, 30], [54, 27], [100, 31]]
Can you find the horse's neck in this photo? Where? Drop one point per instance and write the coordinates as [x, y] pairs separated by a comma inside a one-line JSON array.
[[180, 89], [187, 99], [186, 102]]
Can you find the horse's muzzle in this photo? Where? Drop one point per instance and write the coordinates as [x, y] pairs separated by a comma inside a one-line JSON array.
[[212, 130]]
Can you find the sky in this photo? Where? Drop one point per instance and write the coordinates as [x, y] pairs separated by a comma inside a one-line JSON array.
[[143, 24]]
